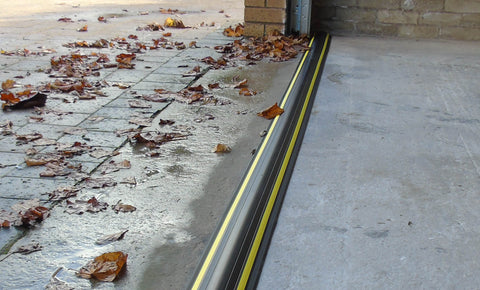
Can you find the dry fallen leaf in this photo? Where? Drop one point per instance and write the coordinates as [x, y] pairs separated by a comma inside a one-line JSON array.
[[80, 206], [247, 92], [144, 122], [105, 267], [23, 100], [176, 23], [111, 238], [271, 112], [121, 207], [100, 182], [222, 148], [29, 248], [241, 84], [75, 131], [8, 84], [237, 32], [29, 212], [63, 193], [113, 166], [6, 127], [83, 29], [139, 104]]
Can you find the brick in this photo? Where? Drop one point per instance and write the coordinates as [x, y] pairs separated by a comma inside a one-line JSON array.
[[438, 18], [277, 3], [355, 15], [462, 6], [423, 5], [265, 15], [470, 19], [269, 28], [460, 33], [254, 29], [397, 16], [254, 3], [379, 4], [377, 29], [418, 31]]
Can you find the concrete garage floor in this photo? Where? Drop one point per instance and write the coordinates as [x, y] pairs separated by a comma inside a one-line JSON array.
[[385, 193]]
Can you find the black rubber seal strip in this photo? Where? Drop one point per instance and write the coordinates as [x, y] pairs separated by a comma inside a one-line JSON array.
[[236, 253]]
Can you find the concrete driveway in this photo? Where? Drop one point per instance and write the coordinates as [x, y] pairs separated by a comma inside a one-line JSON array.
[[385, 193]]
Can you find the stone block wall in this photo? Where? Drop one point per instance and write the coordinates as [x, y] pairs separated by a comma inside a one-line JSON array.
[[446, 19], [264, 16]]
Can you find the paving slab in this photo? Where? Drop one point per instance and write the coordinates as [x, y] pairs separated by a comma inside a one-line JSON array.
[[174, 187]]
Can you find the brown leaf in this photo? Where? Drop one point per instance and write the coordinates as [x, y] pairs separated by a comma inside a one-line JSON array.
[[105, 267], [80, 206], [241, 84], [25, 100], [100, 182], [83, 29], [111, 238], [167, 34], [271, 112], [65, 19], [222, 148], [113, 166], [176, 23], [163, 122], [214, 86], [129, 180], [145, 122], [8, 84], [44, 142], [29, 212], [121, 207], [237, 32], [63, 192], [29, 248], [102, 19], [157, 98], [28, 137], [193, 44], [75, 131], [100, 153], [6, 127], [246, 92], [41, 160], [139, 104]]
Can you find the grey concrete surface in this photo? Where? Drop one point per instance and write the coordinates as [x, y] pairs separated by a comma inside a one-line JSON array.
[[385, 193], [179, 195]]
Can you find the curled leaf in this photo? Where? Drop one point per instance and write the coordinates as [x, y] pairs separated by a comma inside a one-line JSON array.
[[111, 238], [176, 23], [271, 112], [222, 148], [105, 267]]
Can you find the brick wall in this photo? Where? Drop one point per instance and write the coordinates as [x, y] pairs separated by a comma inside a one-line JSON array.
[[446, 19], [264, 16]]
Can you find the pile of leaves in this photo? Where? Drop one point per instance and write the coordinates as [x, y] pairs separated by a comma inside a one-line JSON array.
[[26, 213], [276, 47], [26, 52], [234, 32]]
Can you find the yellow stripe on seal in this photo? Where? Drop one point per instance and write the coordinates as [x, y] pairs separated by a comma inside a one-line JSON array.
[[226, 221], [263, 224]]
